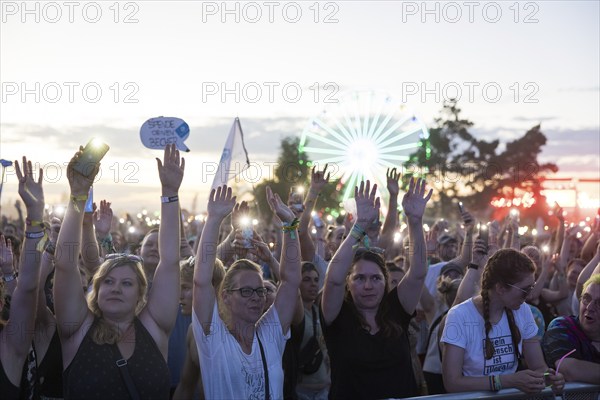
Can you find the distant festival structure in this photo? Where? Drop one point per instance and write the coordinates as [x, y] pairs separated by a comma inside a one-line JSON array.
[[363, 135]]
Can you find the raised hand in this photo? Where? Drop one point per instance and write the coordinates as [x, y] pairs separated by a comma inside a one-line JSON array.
[[240, 210], [6, 256], [392, 181], [468, 221], [170, 170], [31, 192], [220, 202], [103, 219], [261, 249], [278, 207], [367, 205], [80, 184], [480, 252], [318, 180], [295, 203], [414, 201]]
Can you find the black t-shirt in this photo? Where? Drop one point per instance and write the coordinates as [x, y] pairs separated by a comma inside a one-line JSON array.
[[365, 366]]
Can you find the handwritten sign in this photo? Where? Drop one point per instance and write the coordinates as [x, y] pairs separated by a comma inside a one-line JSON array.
[[157, 133]]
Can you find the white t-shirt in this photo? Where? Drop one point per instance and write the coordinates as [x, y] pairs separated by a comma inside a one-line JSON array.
[[228, 372], [465, 328]]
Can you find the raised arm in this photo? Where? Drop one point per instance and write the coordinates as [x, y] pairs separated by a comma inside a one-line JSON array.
[[471, 281], [163, 298], [413, 204], [367, 207], [220, 204], [389, 225], [15, 337], [592, 267], [70, 306], [289, 270], [466, 253], [102, 218], [90, 254], [318, 180]]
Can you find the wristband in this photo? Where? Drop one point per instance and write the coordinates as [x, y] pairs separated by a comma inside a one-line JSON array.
[[35, 235], [107, 244], [9, 278], [473, 266], [75, 199], [291, 227], [30, 222], [169, 199]]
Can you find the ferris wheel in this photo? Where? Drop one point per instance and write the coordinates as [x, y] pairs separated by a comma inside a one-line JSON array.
[[363, 135]]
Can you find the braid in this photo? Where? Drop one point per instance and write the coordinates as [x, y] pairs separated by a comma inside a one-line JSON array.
[[489, 347], [515, 333], [485, 297]]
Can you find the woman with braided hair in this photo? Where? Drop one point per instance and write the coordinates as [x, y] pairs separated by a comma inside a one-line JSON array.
[[487, 336]]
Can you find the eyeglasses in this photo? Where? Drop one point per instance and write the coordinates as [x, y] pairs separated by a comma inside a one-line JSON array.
[[586, 300], [248, 292], [124, 257], [525, 291]]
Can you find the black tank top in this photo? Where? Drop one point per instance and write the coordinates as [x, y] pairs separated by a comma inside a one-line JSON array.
[[93, 373], [8, 390]]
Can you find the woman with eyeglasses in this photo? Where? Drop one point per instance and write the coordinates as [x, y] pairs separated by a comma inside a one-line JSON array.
[[241, 348], [365, 326], [487, 336], [115, 344]]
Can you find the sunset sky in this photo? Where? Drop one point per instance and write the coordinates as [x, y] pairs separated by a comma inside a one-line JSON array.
[[153, 58]]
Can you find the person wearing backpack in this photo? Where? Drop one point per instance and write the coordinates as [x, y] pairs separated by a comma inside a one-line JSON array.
[[305, 358]]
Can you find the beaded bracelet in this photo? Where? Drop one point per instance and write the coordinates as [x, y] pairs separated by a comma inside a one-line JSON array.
[[9, 277]]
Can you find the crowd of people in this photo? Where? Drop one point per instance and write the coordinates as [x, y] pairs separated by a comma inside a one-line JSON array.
[[291, 307]]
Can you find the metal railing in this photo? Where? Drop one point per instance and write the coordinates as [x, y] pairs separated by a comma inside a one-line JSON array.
[[572, 391]]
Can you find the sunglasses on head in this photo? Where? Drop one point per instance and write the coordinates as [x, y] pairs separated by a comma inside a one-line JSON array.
[[124, 257]]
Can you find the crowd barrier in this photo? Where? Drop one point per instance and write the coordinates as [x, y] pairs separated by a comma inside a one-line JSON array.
[[572, 391]]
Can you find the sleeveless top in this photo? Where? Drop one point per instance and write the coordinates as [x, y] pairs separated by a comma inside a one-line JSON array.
[[93, 373], [8, 390]]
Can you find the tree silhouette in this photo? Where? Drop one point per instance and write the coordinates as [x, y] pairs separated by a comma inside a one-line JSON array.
[[461, 167]]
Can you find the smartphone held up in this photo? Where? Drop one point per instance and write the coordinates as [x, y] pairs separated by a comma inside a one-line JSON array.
[[92, 154]]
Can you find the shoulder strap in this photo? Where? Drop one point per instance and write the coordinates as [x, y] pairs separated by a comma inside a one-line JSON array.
[[314, 320], [122, 365], [432, 327], [264, 361]]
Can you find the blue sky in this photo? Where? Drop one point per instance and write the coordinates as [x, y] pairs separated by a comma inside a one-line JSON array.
[[169, 57]]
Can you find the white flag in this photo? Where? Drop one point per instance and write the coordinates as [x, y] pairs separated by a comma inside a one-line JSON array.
[[234, 158]]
